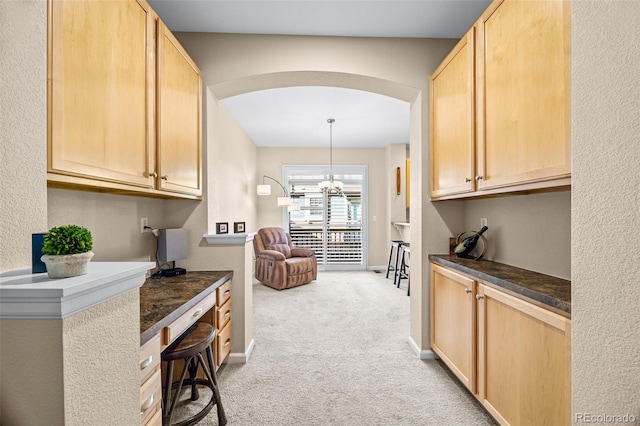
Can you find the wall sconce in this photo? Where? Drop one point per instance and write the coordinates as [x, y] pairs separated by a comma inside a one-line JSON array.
[[284, 201]]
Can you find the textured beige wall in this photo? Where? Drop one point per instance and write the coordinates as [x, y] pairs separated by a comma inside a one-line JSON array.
[[529, 231], [31, 373], [23, 129], [101, 363], [605, 207], [231, 169], [79, 370], [114, 222]]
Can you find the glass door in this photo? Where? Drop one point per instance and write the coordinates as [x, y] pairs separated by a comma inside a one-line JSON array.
[[332, 224]]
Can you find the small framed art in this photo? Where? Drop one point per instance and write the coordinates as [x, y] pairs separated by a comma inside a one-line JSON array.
[[238, 227], [222, 227]]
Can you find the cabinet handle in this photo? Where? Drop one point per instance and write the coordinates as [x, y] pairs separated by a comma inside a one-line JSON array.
[[197, 313], [479, 177], [227, 314], [467, 290], [226, 292], [227, 343], [479, 297], [147, 362], [153, 174], [147, 404], [165, 177], [467, 180]]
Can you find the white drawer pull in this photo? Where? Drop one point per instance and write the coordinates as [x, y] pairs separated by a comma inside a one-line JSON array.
[[226, 292], [198, 313], [227, 314], [147, 404], [227, 343], [147, 362]]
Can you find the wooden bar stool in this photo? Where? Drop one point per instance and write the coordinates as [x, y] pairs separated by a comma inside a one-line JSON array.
[[397, 245], [402, 272], [189, 346]]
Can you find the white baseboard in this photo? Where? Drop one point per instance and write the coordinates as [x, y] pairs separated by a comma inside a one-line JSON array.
[[241, 357], [422, 354]]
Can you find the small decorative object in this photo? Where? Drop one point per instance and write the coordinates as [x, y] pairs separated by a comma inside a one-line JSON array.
[[37, 265], [67, 251], [467, 244], [222, 228], [238, 227]]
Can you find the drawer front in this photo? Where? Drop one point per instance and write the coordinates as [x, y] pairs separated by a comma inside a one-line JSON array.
[[224, 292], [223, 344], [149, 358], [150, 397], [177, 327], [223, 314], [155, 420]]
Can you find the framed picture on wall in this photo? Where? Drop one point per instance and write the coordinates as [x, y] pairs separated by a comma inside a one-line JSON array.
[[222, 228], [238, 227]]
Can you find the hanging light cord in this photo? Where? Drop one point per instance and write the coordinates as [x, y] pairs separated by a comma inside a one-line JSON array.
[[331, 121]]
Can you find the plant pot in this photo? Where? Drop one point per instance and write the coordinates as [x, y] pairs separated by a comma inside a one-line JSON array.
[[67, 265]]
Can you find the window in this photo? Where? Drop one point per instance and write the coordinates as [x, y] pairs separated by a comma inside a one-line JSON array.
[[331, 224]]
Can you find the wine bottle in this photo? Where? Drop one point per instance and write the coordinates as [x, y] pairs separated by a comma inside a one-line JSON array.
[[468, 244]]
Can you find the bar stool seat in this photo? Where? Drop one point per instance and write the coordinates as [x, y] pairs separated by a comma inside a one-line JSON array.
[[397, 245], [189, 346]]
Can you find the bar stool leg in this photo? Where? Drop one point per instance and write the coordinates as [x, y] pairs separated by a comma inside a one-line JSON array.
[[167, 392], [397, 276], [399, 271], [193, 375], [389, 263], [222, 417]]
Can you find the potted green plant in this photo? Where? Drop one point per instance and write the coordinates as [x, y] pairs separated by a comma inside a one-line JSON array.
[[67, 251]]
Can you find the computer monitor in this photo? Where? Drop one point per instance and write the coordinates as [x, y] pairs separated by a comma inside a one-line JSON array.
[[172, 246]]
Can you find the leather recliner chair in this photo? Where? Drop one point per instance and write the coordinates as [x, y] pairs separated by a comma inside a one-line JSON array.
[[280, 264]]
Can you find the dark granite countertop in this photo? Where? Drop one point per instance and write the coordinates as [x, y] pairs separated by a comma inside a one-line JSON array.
[[163, 300], [543, 290]]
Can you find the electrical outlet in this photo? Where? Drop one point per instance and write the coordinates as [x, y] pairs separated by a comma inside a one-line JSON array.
[[483, 222], [144, 221]]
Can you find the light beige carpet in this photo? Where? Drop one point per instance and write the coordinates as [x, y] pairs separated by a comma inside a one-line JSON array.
[[335, 352]]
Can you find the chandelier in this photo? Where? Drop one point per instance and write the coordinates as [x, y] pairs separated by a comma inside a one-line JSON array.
[[331, 185]]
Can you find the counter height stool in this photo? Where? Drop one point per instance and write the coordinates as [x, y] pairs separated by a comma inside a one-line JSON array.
[[397, 245], [189, 346], [404, 264]]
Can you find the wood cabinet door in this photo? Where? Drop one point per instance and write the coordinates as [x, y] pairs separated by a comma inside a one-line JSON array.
[[524, 361], [452, 156], [523, 89], [453, 323], [179, 89], [100, 81]]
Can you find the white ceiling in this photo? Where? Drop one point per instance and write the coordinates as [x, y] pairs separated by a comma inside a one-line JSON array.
[[297, 116]]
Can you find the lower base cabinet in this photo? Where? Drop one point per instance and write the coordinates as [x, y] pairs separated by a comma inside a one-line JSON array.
[[515, 357]]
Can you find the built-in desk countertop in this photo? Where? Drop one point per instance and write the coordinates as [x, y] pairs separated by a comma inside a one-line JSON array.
[[543, 290], [164, 300]]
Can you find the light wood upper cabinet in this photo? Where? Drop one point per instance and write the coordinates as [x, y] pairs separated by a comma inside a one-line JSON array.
[[524, 359], [453, 323], [452, 159], [124, 102], [179, 117], [100, 100], [517, 138], [523, 92]]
